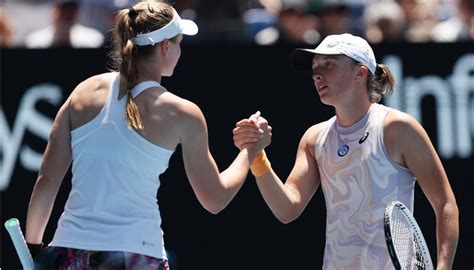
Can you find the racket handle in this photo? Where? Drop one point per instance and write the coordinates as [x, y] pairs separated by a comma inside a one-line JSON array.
[[13, 227]]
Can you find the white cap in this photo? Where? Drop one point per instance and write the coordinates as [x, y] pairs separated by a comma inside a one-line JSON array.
[[174, 27], [351, 46]]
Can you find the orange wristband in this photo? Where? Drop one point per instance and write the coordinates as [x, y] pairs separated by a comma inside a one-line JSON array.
[[260, 165]]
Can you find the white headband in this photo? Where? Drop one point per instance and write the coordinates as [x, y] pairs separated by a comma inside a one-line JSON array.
[[174, 27]]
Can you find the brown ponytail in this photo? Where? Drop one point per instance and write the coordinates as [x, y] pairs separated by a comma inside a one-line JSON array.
[[144, 17], [380, 84], [129, 72]]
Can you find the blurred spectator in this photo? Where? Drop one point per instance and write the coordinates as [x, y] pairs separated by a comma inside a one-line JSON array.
[[5, 30], [219, 20], [334, 18], [261, 21], [421, 16], [298, 26], [300, 21], [65, 31], [456, 28], [287, 21], [384, 22]]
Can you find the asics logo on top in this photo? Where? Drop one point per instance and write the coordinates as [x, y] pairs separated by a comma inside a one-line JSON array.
[[364, 138]]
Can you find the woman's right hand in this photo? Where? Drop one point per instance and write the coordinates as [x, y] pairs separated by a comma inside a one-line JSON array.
[[253, 132]]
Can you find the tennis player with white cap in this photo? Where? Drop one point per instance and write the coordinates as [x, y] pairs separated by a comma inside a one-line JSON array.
[[351, 46], [119, 130], [364, 157]]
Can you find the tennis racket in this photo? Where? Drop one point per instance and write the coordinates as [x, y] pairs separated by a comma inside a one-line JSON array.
[[13, 227], [405, 242]]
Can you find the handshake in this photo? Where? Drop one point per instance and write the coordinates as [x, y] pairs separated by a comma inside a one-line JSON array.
[[254, 134]]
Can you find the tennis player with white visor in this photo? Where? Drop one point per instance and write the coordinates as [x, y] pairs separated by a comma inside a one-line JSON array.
[[173, 28]]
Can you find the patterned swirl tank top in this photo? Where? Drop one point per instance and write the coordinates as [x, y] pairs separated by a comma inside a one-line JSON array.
[[359, 179]]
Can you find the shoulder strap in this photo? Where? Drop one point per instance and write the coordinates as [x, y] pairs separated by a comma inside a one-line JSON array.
[[139, 88], [113, 91], [321, 138]]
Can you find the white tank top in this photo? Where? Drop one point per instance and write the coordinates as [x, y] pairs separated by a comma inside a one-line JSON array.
[[359, 179], [112, 205]]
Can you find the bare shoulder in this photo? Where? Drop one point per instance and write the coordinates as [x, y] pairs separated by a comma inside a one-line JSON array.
[[398, 124], [402, 135], [92, 91], [95, 82], [313, 132], [308, 141], [183, 118], [88, 98], [177, 106], [179, 114]]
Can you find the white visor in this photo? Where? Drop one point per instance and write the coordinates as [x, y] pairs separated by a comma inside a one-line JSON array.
[[174, 27]]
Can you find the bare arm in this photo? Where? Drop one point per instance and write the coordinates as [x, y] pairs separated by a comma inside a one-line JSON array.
[[56, 161], [214, 190], [288, 200], [416, 152]]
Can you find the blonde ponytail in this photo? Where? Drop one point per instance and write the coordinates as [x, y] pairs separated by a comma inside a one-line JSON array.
[[132, 114]]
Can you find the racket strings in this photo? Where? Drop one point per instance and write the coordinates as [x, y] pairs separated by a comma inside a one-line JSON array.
[[404, 239]]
